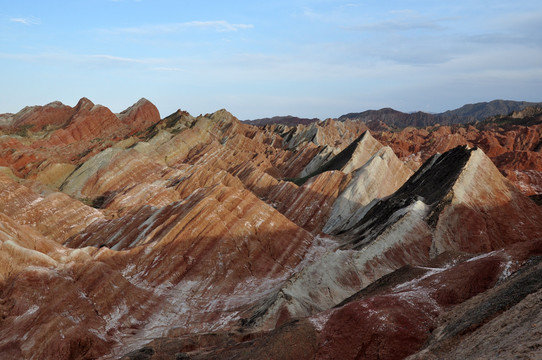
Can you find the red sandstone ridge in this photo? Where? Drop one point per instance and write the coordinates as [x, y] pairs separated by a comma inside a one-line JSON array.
[[57, 134], [140, 116], [37, 118], [130, 236]]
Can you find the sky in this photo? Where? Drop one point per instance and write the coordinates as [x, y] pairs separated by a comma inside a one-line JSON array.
[[307, 58]]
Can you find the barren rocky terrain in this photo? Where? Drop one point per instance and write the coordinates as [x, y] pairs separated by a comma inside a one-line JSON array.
[[140, 237]]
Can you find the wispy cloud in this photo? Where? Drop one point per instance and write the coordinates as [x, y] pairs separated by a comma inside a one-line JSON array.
[[112, 58], [162, 68], [218, 25], [88, 59], [404, 20], [311, 14], [395, 25], [32, 20], [522, 26]]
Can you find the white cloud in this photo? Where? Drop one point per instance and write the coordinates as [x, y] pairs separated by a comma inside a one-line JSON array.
[[218, 25], [27, 21]]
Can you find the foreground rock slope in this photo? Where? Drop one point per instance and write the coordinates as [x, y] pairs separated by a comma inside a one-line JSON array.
[[131, 236]]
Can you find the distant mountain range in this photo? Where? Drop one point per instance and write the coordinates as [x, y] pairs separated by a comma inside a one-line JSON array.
[[285, 120], [397, 119]]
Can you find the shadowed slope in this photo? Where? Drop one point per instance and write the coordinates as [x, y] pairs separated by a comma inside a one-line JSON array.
[[456, 201]]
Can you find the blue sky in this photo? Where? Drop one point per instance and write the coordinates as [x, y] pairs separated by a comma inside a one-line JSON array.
[[310, 58]]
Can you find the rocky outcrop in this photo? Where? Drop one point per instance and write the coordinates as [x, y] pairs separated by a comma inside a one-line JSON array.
[[352, 157], [381, 176], [462, 196], [174, 257], [329, 132], [56, 302], [140, 116]]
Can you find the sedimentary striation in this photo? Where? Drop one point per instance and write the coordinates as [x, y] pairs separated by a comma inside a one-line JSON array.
[[139, 237]]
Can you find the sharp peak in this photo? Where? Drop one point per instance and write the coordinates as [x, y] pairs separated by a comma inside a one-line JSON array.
[[431, 185], [141, 102], [222, 114], [443, 171], [447, 159], [55, 103], [85, 100], [84, 103], [366, 134]]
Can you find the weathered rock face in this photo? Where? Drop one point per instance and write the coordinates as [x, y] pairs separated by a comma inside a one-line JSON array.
[[173, 260], [512, 142], [309, 206], [494, 321], [55, 215], [59, 134], [140, 116], [204, 237], [456, 202], [330, 137], [37, 118], [381, 176], [394, 317]]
